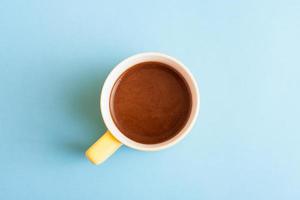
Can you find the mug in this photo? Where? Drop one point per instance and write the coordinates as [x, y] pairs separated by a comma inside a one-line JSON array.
[[113, 137]]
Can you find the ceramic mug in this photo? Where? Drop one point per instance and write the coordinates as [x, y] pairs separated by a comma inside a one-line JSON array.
[[113, 137]]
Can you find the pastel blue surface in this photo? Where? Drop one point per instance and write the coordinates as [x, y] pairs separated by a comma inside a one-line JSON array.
[[55, 55]]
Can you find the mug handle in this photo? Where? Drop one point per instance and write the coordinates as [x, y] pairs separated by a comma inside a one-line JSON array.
[[103, 148]]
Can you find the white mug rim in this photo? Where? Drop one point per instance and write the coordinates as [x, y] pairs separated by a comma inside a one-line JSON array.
[[113, 77]]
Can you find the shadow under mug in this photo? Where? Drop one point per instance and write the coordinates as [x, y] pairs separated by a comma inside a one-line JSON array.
[[113, 138]]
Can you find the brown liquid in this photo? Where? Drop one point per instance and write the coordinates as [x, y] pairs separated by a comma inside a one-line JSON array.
[[150, 103]]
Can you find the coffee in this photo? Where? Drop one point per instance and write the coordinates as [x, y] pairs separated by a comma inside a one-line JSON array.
[[150, 102]]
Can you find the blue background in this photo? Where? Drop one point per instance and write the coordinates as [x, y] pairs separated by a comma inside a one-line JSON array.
[[55, 55]]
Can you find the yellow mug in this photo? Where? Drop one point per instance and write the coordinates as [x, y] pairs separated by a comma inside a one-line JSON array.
[[113, 139]]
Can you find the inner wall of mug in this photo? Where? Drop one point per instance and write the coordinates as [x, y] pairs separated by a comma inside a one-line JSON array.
[[118, 71]]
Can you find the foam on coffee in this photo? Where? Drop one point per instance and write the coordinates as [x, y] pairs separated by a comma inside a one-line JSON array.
[[150, 102]]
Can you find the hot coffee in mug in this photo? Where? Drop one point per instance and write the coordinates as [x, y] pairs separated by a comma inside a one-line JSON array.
[[148, 102]]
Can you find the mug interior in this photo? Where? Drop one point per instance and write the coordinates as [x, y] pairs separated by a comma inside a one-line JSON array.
[[119, 70]]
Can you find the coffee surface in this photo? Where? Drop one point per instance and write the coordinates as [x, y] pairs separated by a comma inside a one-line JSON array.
[[150, 103]]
